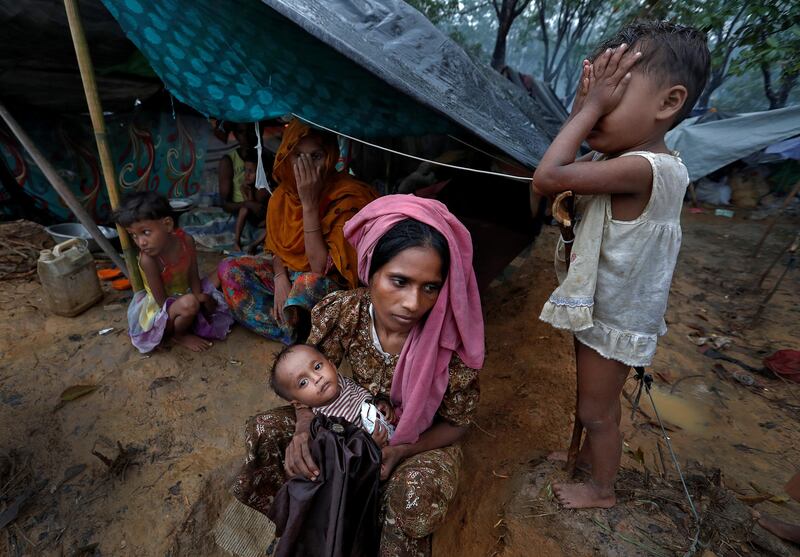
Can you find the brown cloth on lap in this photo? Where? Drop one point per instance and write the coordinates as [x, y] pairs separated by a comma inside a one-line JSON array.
[[337, 515]]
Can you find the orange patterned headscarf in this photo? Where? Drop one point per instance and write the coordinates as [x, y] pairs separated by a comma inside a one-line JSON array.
[[342, 197]]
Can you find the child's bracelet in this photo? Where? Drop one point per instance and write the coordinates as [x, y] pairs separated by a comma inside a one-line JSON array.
[[278, 275], [312, 230], [567, 241]]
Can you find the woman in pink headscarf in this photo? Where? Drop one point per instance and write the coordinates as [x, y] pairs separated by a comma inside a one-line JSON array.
[[413, 334]]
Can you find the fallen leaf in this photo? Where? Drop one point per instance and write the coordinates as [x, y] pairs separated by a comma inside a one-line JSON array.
[[754, 499], [161, 381], [11, 513], [77, 391]]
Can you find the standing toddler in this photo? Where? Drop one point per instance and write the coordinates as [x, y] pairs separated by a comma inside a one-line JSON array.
[[640, 84]]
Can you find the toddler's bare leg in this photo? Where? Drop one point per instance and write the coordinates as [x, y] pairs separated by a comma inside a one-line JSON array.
[[182, 314], [600, 383]]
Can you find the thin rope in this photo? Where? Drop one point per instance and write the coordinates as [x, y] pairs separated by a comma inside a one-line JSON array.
[[478, 149], [475, 170], [644, 382]]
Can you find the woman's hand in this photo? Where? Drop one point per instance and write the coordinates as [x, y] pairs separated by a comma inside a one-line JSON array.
[[282, 288], [380, 435], [609, 78], [391, 456], [298, 460], [308, 177]]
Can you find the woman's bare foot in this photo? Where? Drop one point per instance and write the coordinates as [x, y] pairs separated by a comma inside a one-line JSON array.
[[584, 496], [561, 456], [192, 342], [784, 530]]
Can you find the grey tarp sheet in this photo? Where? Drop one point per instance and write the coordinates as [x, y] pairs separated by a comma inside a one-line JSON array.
[[707, 147], [399, 45]]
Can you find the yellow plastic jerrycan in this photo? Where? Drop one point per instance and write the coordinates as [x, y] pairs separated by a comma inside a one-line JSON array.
[[69, 278]]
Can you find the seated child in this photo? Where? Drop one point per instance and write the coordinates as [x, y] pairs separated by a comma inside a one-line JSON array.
[[641, 83], [302, 375], [174, 302], [254, 205]]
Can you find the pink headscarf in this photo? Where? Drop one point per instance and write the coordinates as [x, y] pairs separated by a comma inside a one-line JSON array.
[[454, 324]]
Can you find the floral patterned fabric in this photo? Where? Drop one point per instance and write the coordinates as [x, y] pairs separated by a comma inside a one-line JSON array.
[[249, 288]]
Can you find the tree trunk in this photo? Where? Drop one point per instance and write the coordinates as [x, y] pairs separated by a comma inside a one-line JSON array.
[[499, 54], [777, 99], [507, 11]]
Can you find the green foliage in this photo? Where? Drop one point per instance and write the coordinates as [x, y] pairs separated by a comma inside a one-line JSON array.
[[436, 10], [774, 37], [749, 40]]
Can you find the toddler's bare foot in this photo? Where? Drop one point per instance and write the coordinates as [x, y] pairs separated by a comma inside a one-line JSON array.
[[561, 456], [583, 496], [192, 342], [784, 530]]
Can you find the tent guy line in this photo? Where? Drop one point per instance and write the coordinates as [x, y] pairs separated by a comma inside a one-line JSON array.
[[422, 159]]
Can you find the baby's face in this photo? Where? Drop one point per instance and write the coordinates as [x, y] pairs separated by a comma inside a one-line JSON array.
[[308, 377]]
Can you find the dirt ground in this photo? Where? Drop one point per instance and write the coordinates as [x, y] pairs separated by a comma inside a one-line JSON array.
[[170, 424]]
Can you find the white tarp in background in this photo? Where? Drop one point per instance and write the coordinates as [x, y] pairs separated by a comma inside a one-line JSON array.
[[707, 147]]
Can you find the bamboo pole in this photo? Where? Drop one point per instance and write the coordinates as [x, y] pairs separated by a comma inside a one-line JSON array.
[[63, 190], [99, 125]]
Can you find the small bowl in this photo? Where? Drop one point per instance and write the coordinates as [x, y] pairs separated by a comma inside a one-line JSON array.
[[181, 205], [69, 230]]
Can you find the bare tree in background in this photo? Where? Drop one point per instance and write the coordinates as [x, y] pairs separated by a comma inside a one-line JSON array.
[[564, 27], [507, 12]]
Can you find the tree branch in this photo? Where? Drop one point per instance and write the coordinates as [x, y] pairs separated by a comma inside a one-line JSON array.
[[517, 12]]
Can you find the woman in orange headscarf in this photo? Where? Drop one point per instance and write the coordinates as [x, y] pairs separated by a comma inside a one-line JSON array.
[[305, 221]]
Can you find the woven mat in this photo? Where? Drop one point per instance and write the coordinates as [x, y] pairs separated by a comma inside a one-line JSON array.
[[243, 531]]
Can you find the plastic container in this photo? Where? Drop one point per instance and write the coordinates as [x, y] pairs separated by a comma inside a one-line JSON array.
[[68, 230], [69, 278]]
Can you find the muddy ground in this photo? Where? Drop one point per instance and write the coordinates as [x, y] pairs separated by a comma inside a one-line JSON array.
[[169, 425]]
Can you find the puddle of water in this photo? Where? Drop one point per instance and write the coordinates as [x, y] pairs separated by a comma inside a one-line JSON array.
[[691, 413]]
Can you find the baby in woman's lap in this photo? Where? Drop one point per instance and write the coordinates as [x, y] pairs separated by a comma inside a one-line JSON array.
[[302, 375]]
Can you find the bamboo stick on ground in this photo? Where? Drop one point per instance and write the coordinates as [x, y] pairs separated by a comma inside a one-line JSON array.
[[776, 260], [774, 221], [99, 125], [564, 213]]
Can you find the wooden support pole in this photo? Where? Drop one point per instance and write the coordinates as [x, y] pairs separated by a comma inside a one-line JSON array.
[[99, 125], [62, 189]]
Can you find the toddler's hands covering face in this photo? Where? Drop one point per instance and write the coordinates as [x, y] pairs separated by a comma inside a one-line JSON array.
[[608, 79]]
